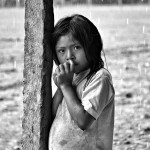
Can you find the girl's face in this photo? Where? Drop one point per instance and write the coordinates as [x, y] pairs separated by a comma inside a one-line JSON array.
[[67, 48]]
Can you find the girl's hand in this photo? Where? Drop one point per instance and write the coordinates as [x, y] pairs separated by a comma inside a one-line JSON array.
[[64, 74], [55, 79]]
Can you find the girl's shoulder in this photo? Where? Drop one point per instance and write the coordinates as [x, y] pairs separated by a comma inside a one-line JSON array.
[[102, 73]]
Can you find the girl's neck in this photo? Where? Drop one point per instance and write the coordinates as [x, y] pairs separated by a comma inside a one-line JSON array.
[[82, 72]]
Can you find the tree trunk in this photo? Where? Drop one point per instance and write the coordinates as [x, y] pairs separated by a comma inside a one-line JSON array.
[[39, 22]]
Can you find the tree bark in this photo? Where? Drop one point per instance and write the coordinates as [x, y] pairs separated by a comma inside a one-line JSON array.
[[37, 93]]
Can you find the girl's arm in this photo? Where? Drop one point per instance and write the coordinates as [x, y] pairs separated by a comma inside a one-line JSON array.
[[57, 99], [58, 96], [64, 77], [76, 109]]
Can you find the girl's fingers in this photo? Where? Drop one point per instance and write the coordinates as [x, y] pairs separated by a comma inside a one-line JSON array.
[[54, 74], [57, 70], [67, 67], [55, 78], [62, 68], [71, 65]]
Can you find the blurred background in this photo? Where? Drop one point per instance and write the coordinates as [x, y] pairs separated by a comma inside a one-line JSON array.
[[125, 29], [20, 3]]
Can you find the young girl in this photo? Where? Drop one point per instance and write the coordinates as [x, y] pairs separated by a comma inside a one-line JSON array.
[[83, 105]]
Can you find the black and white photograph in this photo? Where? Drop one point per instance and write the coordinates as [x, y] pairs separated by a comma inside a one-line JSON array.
[[74, 74]]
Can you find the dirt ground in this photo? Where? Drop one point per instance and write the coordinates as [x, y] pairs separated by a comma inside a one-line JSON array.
[[126, 36]]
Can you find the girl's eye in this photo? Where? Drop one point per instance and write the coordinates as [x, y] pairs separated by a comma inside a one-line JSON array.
[[61, 51], [77, 47]]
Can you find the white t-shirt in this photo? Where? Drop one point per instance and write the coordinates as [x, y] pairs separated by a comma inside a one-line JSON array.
[[97, 97]]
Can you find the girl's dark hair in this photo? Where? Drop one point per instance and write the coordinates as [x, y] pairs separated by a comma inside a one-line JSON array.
[[86, 33]]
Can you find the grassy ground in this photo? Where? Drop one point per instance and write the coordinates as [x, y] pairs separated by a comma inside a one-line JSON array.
[[126, 36]]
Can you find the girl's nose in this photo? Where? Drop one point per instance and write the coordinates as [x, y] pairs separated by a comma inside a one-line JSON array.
[[70, 55]]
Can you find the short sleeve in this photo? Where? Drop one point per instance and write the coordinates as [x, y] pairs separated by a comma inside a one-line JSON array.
[[97, 95]]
